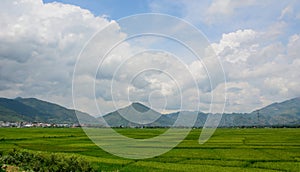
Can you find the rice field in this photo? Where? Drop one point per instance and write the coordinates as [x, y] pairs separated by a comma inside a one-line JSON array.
[[260, 149]]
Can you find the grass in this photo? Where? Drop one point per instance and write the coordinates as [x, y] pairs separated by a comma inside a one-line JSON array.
[[228, 149]]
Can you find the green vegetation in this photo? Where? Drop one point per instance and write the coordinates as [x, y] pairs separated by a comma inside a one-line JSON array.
[[228, 150], [35, 110], [45, 162]]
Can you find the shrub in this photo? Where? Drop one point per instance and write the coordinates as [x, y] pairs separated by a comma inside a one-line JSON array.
[[45, 162]]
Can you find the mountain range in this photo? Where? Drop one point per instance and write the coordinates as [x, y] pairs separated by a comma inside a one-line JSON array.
[[35, 110], [285, 113]]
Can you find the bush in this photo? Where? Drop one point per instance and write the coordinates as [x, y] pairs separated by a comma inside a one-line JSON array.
[[45, 162], [1, 165]]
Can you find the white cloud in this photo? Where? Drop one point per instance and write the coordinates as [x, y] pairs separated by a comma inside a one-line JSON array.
[[263, 71], [235, 47], [215, 17], [227, 7], [39, 44], [277, 85], [242, 94], [138, 77], [293, 47], [209, 12], [286, 11]]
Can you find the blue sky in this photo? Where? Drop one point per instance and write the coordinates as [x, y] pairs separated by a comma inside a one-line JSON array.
[[114, 9], [257, 42], [242, 15]]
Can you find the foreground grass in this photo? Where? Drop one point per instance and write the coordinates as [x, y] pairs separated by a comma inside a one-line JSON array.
[[227, 150]]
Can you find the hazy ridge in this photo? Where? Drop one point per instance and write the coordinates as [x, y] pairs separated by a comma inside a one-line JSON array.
[[286, 113]]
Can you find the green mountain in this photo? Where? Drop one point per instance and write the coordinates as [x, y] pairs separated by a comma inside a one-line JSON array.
[[35, 110], [136, 114], [286, 113]]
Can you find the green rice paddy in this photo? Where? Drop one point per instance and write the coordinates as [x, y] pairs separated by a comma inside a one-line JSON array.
[[228, 150]]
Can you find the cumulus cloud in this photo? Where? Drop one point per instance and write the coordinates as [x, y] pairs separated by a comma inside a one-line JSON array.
[[242, 94], [258, 71], [137, 78], [39, 45], [235, 47], [223, 16], [151, 66]]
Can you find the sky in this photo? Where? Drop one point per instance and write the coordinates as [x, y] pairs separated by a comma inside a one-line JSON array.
[[257, 44]]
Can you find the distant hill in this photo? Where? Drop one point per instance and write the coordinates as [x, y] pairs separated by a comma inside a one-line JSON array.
[[127, 116], [35, 110], [286, 113]]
